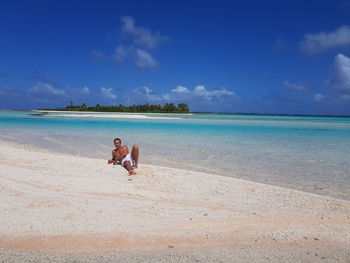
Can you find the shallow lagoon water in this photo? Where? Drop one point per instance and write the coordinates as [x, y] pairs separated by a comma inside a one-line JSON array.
[[306, 153]]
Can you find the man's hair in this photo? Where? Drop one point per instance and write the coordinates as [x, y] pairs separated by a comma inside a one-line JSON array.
[[117, 139]]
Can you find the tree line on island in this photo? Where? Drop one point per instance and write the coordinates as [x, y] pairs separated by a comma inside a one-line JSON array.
[[152, 108]]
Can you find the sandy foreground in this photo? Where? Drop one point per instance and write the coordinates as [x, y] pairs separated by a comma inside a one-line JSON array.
[[61, 208]]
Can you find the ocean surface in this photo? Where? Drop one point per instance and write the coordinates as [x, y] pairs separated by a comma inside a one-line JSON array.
[[306, 153]]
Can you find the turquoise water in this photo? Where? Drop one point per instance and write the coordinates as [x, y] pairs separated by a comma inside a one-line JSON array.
[[306, 153]]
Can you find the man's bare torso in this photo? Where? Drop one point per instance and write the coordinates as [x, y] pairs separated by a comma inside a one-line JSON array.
[[120, 153]]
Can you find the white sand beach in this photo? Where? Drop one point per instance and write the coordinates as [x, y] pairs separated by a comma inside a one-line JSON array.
[[79, 114], [131, 116], [61, 208]]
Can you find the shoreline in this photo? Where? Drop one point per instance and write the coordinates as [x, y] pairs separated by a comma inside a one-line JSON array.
[[126, 115], [313, 189], [133, 116], [34, 148], [117, 112], [58, 203]]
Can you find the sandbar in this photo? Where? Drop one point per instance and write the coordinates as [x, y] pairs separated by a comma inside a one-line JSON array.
[[75, 114], [62, 208], [131, 116]]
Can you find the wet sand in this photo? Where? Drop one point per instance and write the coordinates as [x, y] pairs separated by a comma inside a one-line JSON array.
[[61, 208]]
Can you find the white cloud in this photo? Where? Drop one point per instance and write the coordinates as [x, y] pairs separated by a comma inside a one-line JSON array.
[[221, 92], [145, 91], [46, 89], [295, 86], [141, 58], [201, 91], [319, 97], [319, 42], [180, 89], [85, 90], [144, 59], [340, 78], [147, 94], [142, 39], [121, 53], [142, 36], [108, 93]]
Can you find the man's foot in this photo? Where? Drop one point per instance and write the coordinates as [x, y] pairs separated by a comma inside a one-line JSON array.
[[132, 172]]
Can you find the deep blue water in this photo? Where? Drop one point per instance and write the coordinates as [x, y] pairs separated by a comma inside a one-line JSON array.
[[306, 153]]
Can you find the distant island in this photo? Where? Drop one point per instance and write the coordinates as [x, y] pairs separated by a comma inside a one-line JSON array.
[[147, 108]]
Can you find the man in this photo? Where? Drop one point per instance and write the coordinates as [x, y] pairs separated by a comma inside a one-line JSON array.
[[121, 155]]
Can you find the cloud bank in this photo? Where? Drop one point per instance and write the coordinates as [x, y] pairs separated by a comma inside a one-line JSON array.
[[85, 90], [181, 90], [323, 41], [198, 95], [108, 93], [42, 88]]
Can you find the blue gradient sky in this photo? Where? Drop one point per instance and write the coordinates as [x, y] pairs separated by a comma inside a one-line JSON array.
[[222, 56]]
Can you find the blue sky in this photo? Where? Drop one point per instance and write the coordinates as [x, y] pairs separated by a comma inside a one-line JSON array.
[[223, 56]]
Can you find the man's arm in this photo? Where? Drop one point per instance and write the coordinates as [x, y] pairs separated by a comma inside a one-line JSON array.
[[114, 159], [124, 152]]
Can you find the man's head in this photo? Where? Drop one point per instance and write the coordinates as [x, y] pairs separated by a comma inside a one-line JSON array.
[[117, 142]]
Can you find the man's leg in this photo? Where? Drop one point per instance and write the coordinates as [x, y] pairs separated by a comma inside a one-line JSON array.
[[127, 165], [135, 155]]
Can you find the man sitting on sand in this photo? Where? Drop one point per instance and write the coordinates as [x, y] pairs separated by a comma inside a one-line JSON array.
[[121, 155]]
